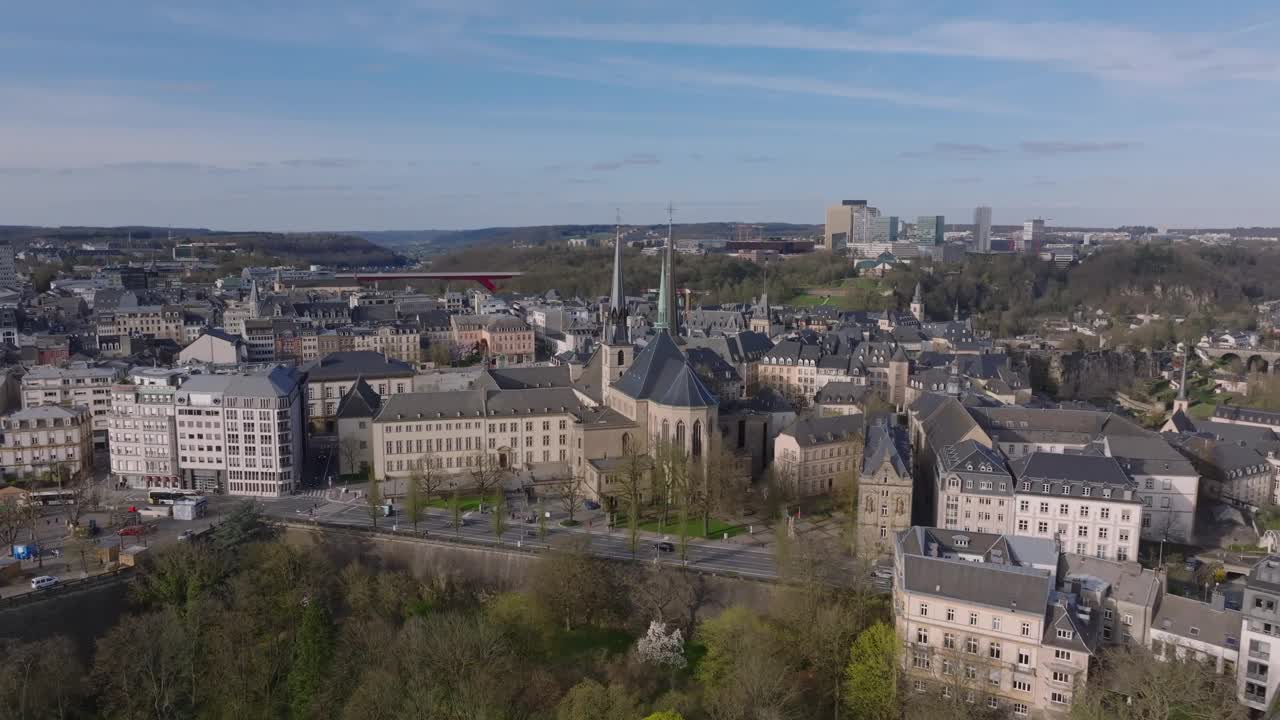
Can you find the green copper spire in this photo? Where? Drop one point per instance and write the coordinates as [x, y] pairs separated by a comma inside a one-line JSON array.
[[663, 322]]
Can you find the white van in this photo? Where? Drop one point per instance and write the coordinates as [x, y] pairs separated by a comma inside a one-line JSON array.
[[42, 582]]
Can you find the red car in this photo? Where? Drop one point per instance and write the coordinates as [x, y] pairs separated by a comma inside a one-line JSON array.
[[132, 530]]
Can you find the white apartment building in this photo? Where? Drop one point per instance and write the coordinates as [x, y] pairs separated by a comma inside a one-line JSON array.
[[36, 442], [1167, 483], [241, 434], [980, 620], [141, 426], [78, 384], [1086, 503], [1260, 636]]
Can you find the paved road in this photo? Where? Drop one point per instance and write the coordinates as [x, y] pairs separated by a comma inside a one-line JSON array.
[[706, 555]]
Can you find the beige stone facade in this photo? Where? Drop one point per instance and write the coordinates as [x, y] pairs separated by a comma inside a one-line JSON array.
[[43, 442]]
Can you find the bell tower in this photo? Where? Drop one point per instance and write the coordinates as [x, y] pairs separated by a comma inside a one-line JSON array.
[[617, 348]]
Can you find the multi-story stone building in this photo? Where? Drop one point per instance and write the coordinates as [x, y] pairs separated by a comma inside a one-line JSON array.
[[1087, 504], [401, 342], [980, 619], [815, 453], [158, 322], [329, 379], [1260, 636], [48, 442], [78, 384], [142, 429], [504, 339], [884, 489], [1168, 484], [242, 434]]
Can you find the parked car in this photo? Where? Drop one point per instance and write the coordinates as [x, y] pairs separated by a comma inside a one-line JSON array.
[[132, 530], [591, 505], [42, 582], [186, 535], [665, 547]]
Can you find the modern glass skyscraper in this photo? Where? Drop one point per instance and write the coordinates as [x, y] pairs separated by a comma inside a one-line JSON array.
[[982, 229], [931, 229]]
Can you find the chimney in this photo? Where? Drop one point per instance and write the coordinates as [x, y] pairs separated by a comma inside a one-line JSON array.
[[1219, 600]]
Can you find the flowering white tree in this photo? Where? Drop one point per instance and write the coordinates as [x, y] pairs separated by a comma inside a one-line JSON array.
[[662, 647]]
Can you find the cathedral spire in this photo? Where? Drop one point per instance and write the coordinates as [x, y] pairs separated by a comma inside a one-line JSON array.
[[668, 315], [616, 329]]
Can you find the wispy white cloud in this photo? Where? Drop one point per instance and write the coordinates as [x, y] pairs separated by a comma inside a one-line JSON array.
[[1103, 50], [952, 149], [1061, 147], [628, 161]]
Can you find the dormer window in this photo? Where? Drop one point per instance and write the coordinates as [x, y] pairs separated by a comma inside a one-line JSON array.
[[1086, 491], [1066, 489], [1048, 487], [1065, 634], [1106, 492]]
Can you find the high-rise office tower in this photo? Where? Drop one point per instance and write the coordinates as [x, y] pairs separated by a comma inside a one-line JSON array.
[[8, 276], [1032, 236], [848, 223], [931, 229], [982, 229], [884, 229]]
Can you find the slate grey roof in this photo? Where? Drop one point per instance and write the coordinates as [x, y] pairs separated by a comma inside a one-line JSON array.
[[1240, 414], [841, 393], [1148, 454], [1062, 615], [1032, 425], [279, 381], [354, 364], [886, 443], [660, 373], [814, 430], [432, 406], [1002, 586], [1127, 581], [523, 378], [360, 401], [1198, 621], [1074, 472]]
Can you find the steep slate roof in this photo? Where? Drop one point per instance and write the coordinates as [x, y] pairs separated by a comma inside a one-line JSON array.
[[841, 393], [886, 444], [814, 430], [1075, 471], [660, 373], [360, 401], [1179, 616], [524, 378], [354, 364], [993, 585]]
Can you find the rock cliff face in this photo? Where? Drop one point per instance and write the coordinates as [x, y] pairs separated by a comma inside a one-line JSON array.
[[1090, 375]]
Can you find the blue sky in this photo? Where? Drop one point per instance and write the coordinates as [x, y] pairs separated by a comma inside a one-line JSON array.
[[387, 114]]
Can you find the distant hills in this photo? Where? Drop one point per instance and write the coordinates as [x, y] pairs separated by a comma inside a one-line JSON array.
[[332, 249], [534, 235]]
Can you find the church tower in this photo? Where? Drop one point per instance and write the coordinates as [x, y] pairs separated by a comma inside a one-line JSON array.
[[255, 303], [1180, 403], [917, 304], [762, 318], [617, 348], [668, 312]]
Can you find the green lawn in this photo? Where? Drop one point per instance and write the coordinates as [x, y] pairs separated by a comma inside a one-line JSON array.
[[1202, 410], [693, 526], [809, 300], [468, 502]]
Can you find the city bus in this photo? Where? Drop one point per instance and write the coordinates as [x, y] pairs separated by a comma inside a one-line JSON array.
[[167, 496], [45, 498]]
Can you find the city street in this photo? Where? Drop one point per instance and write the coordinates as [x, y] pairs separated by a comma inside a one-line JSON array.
[[707, 555]]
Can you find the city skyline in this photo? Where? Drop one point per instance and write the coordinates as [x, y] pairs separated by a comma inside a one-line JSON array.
[[440, 114]]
